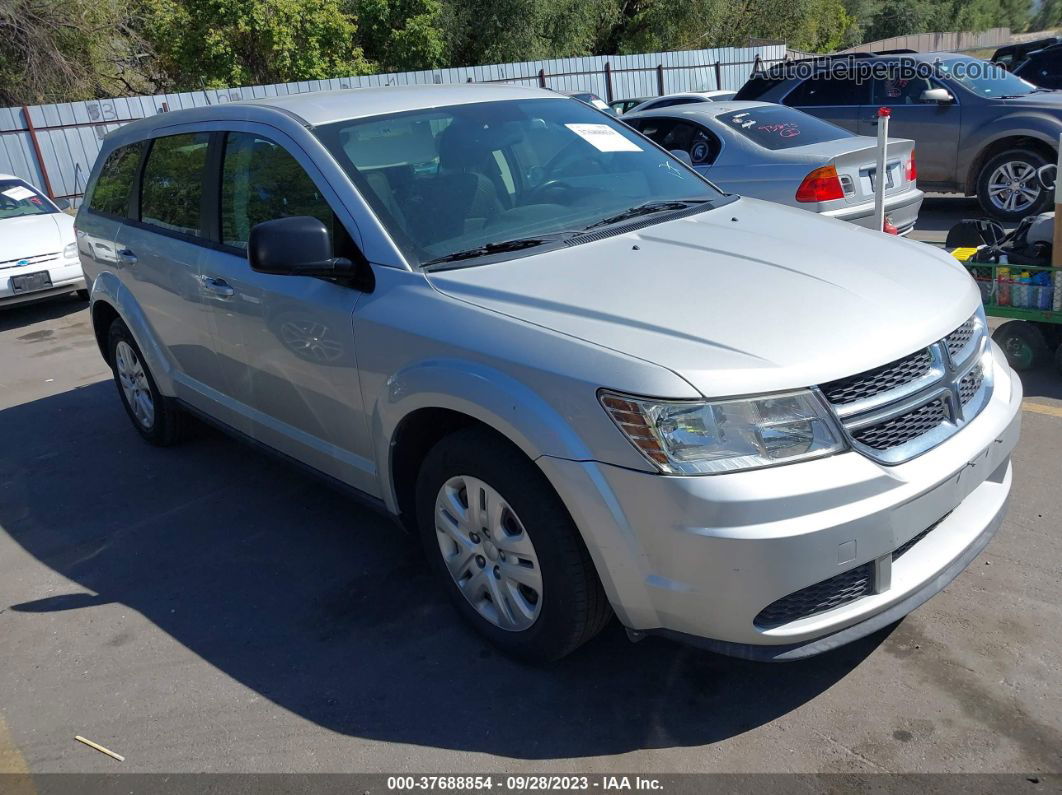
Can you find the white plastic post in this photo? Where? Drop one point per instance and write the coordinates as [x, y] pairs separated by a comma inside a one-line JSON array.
[[880, 174]]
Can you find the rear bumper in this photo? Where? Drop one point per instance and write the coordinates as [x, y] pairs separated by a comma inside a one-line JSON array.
[[901, 210], [701, 558]]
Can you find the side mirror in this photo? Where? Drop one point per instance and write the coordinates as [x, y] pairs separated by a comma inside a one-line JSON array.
[[938, 95], [682, 155], [296, 246], [62, 204]]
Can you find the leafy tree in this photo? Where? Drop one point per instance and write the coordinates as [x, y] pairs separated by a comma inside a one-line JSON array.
[[63, 50], [216, 43], [400, 35]]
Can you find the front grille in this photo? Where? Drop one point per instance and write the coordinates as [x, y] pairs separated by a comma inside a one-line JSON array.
[[818, 598], [880, 379], [39, 259], [959, 338], [904, 428], [969, 384]]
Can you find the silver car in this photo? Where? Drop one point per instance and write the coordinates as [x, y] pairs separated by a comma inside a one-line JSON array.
[[589, 381], [780, 154]]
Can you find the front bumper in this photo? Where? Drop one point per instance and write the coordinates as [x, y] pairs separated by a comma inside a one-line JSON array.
[[701, 557], [901, 210], [66, 275]]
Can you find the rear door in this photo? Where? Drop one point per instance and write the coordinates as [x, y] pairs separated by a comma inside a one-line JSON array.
[[157, 252], [831, 97], [934, 127], [107, 205], [286, 342]]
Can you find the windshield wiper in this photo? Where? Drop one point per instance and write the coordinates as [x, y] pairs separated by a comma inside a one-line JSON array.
[[646, 209], [490, 248]]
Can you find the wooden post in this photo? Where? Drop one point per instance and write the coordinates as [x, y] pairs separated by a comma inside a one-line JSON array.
[[1056, 247], [608, 82], [541, 78], [37, 151], [718, 75], [660, 79]]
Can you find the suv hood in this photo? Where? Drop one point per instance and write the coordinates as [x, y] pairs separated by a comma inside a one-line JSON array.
[[749, 297], [33, 235]]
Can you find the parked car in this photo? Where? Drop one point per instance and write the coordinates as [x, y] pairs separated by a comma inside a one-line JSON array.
[[588, 380], [684, 98], [593, 100], [621, 106], [978, 130], [38, 251], [1013, 54], [1042, 68], [782, 155]]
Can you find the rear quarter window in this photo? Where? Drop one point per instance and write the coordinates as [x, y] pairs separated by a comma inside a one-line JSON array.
[[110, 195], [778, 127]]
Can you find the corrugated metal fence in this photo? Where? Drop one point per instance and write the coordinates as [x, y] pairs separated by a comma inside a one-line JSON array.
[[54, 146]]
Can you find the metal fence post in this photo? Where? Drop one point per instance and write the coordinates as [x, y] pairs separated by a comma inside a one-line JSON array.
[[718, 75], [608, 81], [660, 79], [37, 152], [541, 78]]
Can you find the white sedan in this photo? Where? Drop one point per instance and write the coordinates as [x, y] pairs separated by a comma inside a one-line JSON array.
[[38, 250]]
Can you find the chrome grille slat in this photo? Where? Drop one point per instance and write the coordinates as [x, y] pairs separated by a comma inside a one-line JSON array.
[[37, 259], [897, 411]]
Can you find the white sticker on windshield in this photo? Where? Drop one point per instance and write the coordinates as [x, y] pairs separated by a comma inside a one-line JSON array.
[[18, 193], [599, 103], [604, 138]]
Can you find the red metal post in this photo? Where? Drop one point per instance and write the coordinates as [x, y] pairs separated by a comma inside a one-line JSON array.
[[38, 153], [541, 78], [608, 82], [718, 75], [660, 79]]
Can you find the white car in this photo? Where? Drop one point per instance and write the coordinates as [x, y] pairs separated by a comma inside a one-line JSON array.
[[38, 249], [684, 98]]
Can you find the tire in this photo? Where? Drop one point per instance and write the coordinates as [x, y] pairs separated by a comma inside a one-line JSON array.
[[1023, 344], [1022, 165], [529, 524], [164, 424]]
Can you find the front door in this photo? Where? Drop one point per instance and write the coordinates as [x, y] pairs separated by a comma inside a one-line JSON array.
[[286, 342]]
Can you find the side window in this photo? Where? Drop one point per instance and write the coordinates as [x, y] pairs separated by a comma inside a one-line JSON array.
[[676, 135], [110, 195], [827, 89], [260, 182], [172, 187], [900, 92]]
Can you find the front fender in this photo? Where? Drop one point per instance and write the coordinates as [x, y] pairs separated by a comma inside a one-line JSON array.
[[479, 391], [108, 288], [1038, 125]]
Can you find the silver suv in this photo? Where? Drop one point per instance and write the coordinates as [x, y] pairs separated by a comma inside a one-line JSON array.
[[590, 381]]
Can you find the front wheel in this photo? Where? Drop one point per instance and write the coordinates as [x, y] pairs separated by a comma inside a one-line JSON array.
[[1008, 187], [508, 553]]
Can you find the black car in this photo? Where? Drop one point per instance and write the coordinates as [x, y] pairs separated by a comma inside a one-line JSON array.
[[1013, 54], [1042, 67]]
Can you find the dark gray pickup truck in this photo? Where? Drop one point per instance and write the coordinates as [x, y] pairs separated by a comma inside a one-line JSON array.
[[978, 129]]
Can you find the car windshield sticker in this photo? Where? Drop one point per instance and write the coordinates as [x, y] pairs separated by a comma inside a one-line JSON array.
[[785, 129], [599, 104], [18, 193], [603, 138]]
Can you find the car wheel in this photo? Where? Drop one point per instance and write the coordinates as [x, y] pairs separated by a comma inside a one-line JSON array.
[[506, 549], [1023, 344], [1007, 186], [157, 418]]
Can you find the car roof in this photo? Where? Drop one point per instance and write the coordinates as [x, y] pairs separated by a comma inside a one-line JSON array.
[[10, 176], [704, 109]]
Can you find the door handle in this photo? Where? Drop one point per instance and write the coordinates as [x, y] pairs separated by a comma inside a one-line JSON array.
[[127, 256], [219, 287]]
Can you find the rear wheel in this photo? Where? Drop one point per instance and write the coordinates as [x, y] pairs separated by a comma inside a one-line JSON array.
[[156, 418], [1008, 188], [506, 549], [1023, 343]]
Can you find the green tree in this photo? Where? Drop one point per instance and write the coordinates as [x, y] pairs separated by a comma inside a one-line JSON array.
[[216, 43], [64, 50], [400, 35]]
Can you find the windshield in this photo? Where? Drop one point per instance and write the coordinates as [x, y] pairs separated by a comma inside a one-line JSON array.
[[985, 79], [18, 199], [451, 179], [779, 127]]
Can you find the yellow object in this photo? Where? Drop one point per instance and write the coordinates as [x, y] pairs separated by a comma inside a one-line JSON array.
[[963, 254], [99, 748]]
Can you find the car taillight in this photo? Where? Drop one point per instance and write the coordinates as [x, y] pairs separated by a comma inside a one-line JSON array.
[[912, 169], [821, 185]]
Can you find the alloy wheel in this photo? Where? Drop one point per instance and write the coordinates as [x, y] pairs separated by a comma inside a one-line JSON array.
[[134, 383], [1012, 187]]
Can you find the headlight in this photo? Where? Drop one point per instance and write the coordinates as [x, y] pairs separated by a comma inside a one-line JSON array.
[[70, 251], [706, 437]]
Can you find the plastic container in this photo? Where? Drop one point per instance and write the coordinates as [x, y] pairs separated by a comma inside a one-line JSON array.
[[1003, 285]]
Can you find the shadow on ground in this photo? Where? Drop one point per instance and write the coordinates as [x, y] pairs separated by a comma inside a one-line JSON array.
[[325, 608], [20, 315]]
